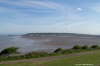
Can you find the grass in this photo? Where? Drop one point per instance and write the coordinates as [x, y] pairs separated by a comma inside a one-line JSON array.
[[68, 61], [26, 56], [43, 54], [93, 59], [19, 64], [5, 54]]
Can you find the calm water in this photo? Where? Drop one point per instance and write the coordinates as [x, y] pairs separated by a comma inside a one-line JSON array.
[[45, 44], [25, 45]]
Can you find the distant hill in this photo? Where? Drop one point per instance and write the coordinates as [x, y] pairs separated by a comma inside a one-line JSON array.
[[58, 34]]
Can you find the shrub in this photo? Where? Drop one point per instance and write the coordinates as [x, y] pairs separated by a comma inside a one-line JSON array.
[[59, 50], [85, 47], [36, 54], [10, 50], [76, 47], [67, 51], [94, 46]]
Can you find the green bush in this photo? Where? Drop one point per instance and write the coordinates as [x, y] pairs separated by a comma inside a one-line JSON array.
[[76, 47], [10, 50], [59, 50], [85, 47], [95, 46], [67, 51], [36, 54]]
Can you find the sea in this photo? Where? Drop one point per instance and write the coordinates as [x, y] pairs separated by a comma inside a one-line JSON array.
[[26, 45]]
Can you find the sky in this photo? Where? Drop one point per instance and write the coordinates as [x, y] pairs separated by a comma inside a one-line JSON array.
[[62, 16]]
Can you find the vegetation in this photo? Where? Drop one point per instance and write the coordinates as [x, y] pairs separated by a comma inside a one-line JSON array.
[[4, 55], [9, 51], [85, 47], [26, 56], [77, 47], [92, 59], [36, 55], [95, 46], [59, 50]]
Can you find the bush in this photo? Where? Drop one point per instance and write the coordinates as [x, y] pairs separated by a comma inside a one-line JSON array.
[[85, 47], [8, 51], [95, 46], [76, 47], [67, 51], [59, 50], [37, 54]]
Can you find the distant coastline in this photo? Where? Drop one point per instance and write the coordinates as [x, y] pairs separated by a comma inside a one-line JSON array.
[[47, 41], [58, 34]]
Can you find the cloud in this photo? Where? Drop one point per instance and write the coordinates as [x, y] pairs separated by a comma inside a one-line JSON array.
[[27, 7], [34, 3], [85, 28], [79, 9], [65, 18], [37, 6], [96, 8], [49, 24]]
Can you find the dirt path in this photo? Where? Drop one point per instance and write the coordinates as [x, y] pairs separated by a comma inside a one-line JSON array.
[[51, 58]]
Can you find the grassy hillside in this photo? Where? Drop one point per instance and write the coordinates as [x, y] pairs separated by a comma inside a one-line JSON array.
[[93, 59]]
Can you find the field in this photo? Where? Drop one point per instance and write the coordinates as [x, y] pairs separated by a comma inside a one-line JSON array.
[[91, 58]]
